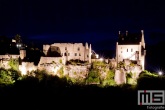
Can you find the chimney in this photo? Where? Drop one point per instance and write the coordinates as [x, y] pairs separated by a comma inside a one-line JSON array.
[[126, 33], [119, 32], [142, 31]]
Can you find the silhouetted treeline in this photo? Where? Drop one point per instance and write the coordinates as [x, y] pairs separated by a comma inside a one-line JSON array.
[[51, 91]]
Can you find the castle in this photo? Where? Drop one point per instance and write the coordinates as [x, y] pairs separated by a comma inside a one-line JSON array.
[[129, 48], [69, 51]]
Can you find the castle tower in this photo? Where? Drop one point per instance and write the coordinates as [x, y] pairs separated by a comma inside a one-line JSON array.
[[117, 53], [90, 53], [22, 54], [126, 33], [143, 52], [142, 39], [131, 47], [45, 49], [86, 45]]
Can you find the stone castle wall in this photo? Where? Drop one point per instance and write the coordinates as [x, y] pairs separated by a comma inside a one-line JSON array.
[[4, 64], [44, 60], [4, 60], [76, 71], [22, 54], [27, 67], [70, 50], [8, 57], [45, 48], [120, 76]]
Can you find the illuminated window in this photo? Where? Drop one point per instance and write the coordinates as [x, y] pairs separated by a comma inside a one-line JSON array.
[[75, 54], [78, 49]]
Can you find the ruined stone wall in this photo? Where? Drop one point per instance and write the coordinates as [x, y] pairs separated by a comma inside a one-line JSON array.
[[44, 60], [54, 68], [129, 67], [76, 71], [136, 69], [120, 76], [113, 63], [4, 60], [22, 54], [9, 56], [71, 50], [26, 67], [51, 68], [51, 64], [45, 48], [4, 64]]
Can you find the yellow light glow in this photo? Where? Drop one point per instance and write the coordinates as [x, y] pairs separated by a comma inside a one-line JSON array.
[[97, 56], [23, 70], [160, 73], [101, 59]]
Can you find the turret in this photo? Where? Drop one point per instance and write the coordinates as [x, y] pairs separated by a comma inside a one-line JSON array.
[[90, 53], [126, 33], [119, 33], [45, 49], [142, 38], [22, 54], [86, 45]]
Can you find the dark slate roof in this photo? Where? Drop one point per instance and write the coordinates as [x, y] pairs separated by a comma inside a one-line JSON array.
[[130, 38]]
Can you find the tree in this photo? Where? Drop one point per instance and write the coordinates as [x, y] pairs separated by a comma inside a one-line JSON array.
[[8, 77], [14, 64], [18, 38], [109, 79], [93, 77]]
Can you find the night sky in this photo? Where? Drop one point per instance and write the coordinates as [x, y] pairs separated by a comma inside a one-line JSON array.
[[93, 21]]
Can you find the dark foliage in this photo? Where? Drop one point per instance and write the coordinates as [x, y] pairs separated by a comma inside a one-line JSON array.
[[76, 61], [52, 91], [33, 55]]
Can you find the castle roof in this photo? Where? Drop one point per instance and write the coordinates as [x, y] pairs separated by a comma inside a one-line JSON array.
[[129, 38]]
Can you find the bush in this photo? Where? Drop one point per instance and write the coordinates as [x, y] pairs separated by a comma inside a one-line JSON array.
[[109, 79], [76, 62], [14, 64], [8, 77]]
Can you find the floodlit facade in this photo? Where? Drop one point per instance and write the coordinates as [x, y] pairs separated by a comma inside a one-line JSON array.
[[69, 51], [131, 46]]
